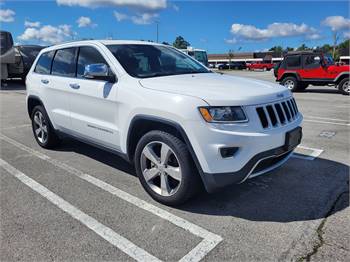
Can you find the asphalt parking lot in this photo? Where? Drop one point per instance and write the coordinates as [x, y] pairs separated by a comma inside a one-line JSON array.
[[80, 203]]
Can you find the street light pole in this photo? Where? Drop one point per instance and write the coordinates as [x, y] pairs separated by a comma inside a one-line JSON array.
[[157, 24]]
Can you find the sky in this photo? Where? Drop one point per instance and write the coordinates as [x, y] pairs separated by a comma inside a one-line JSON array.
[[217, 26]]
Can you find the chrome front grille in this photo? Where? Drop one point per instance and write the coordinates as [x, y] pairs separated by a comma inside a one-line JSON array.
[[277, 114]]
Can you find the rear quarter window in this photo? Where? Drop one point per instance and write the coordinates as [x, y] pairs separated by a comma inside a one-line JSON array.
[[43, 66], [293, 62]]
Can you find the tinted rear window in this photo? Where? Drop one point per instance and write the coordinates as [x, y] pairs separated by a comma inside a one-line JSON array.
[[44, 63], [64, 63], [293, 61]]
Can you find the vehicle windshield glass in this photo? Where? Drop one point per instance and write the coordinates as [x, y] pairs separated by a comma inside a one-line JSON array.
[[329, 60], [143, 61]]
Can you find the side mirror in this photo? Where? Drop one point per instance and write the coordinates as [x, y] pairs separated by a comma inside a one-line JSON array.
[[99, 72]]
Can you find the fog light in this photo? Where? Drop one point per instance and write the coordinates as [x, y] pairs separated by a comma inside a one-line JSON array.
[[228, 151]]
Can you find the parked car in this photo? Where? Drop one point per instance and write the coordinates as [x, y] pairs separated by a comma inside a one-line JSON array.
[[300, 69], [180, 124], [24, 58], [233, 65], [262, 65]]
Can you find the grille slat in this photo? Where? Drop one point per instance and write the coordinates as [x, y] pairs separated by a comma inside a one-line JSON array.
[[274, 115]]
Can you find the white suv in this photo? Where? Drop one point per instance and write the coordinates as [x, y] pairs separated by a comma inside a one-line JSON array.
[[181, 125]]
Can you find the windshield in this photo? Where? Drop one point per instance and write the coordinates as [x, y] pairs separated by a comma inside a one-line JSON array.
[[144, 61]]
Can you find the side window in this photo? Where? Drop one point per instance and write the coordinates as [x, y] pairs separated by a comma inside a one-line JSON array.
[[293, 62], [312, 61], [88, 55], [64, 62], [43, 66]]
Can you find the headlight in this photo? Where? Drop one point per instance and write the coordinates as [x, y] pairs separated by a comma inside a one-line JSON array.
[[224, 114]]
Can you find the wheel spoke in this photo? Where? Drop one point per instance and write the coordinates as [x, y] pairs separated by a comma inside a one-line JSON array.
[[174, 172], [37, 120], [164, 184], [165, 152], [44, 128], [149, 174], [151, 155], [37, 131]]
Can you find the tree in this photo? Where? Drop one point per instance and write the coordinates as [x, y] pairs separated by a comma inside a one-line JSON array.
[[326, 48], [289, 49], [303, 47], [181, 43], [276, 49]]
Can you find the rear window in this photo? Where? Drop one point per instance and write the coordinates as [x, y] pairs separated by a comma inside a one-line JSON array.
[[293, 61], [64, 63], [43, 65]]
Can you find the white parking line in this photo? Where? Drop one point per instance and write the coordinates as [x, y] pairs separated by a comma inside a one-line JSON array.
[[103, 231], [315, 152], [209, 242], [326, 122], [326, 118], [15, 127]]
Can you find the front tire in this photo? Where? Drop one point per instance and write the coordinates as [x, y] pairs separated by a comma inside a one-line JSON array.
[[344, 87], [165, 168], [42, 128], [290, 83]]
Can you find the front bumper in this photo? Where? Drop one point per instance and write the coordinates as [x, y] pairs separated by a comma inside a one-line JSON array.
[[258, 165]]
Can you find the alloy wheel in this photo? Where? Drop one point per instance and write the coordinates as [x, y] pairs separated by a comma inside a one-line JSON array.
[[40, 127], [289, 84], [346, 87], [161, 168]]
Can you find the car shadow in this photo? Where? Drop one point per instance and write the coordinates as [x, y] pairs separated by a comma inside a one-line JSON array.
[[298, 191], [329, 90]]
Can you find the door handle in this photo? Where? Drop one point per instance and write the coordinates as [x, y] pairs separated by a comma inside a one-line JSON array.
[[44, 81], [74, 86]]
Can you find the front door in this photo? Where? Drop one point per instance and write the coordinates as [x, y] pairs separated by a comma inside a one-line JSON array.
[[93, 103]]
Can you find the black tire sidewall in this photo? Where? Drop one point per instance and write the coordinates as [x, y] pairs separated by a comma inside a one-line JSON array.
[[340, 86], [187, 187], [52, 139]]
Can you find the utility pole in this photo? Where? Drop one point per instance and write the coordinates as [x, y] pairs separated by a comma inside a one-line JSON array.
[[157, 24]]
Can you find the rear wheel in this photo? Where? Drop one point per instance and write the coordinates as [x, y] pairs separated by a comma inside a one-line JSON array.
[[165, 169], [43, 131], [291, 83], [344, 87]]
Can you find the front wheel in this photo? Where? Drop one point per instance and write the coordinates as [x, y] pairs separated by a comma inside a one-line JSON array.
[[344, 87], [165, 169], [291, 83]]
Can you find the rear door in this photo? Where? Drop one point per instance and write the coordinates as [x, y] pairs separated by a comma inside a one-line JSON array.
[[93, 102], [51, 94], [58, 89]]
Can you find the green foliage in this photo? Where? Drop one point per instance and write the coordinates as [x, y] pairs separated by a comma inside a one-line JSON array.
[[303, 47], [277, 49], [181, 43]]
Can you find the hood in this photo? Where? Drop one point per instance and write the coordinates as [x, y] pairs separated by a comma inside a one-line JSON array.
[[219, 90]]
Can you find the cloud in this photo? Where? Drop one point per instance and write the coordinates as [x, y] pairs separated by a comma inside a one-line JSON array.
[[85, 21], [337, 23], [48, 34], [31, 24], [314, 36], [150, 5], [139, 19], [120, 16], [250, 32], [7, 15], [346, 35], [231, 41]]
